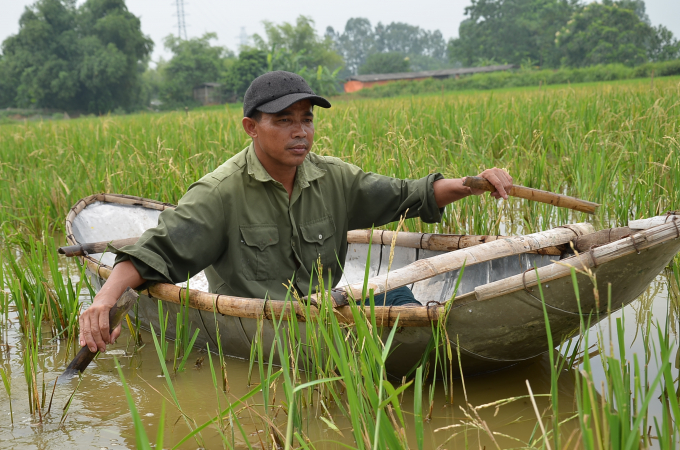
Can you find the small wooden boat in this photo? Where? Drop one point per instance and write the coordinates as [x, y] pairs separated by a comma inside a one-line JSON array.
[[496, 318]]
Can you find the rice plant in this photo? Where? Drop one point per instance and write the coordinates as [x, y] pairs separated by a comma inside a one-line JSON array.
[[617, 144]]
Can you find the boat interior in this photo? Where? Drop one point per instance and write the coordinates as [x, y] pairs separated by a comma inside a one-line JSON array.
[[104, 221]]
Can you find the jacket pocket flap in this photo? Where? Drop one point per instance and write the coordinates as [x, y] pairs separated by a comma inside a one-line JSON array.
[[318, 231], [260, 236]]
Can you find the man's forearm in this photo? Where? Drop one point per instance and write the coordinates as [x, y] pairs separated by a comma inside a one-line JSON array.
[[449, 190], [124, 275]]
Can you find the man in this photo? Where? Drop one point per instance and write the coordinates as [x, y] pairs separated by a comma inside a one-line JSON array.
[[272, 211]]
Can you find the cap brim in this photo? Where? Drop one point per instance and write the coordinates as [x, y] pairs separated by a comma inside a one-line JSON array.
[[284, 102]]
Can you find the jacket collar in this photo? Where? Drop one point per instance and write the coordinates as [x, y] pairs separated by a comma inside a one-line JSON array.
[[306, 172]]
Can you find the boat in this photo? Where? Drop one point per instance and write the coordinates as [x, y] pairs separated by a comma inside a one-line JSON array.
[[485, 288]]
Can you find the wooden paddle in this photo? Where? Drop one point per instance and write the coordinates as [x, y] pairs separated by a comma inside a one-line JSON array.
[[537, 195], [85, 356]]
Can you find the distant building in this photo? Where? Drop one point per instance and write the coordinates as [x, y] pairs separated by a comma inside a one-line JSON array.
[[208, 93], [358, 82]]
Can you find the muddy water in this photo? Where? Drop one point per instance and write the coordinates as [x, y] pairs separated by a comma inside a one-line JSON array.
[[99, 416]]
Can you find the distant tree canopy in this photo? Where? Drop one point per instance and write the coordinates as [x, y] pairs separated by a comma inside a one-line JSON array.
[[93, 57], [390, 62], [251, 64], [610, 32], [292, 47], [194, 61], [556, 33], [425, 49], [302, 40], [510, 31], [87, 58]]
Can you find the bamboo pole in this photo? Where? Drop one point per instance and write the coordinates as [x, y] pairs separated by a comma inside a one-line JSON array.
[[537, 195], [408, 315], [447, 262], [255, 308], [643, 224], [428, 241], [600, 255], [437, 242], [425, 241]]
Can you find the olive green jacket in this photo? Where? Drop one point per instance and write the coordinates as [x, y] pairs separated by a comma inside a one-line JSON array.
[[238, 224]]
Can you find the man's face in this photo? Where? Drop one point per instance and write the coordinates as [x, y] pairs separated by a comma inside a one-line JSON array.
[[282, 140]]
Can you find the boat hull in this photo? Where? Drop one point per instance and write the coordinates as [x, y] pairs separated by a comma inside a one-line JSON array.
[[489, 326]]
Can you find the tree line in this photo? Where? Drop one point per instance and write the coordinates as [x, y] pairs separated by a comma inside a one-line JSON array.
[[94, 57]]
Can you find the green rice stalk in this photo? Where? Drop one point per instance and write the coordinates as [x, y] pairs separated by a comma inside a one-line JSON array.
[[418, 407], [7, 382], [141, 438], [229, 410], [554, 397], [171, 389], [66, 407]]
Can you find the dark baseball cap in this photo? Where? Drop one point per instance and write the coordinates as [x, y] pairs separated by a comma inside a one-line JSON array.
[[275, 91]]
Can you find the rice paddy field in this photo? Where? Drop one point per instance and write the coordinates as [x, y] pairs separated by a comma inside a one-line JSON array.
[[617, 144]]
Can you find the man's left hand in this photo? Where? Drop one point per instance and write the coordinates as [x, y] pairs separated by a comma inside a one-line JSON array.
[[500, 179]]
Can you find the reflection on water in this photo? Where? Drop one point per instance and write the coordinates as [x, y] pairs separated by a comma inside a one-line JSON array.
[[99, 416]]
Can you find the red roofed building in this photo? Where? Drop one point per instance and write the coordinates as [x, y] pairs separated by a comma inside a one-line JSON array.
[[358, 82]]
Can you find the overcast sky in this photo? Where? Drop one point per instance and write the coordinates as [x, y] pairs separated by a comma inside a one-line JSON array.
[[226, 18]]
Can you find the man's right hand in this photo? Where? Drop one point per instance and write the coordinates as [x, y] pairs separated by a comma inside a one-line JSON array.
[[94, 321], [94, 324]]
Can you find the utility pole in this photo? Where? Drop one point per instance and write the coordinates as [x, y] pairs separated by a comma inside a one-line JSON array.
[[243, 37], [181, 23]]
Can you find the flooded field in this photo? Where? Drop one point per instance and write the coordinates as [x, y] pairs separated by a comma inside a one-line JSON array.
[[99, 416], [616, 144]]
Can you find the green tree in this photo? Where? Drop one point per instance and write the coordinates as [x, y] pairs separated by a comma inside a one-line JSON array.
[[355, 44], [37, 61], [299, 39], [295, 48], [390, 62], [193, 62], [409, 40], [251, 63], [115, 54], [605, 33], [425, 49], [663, 45], [88, 58], [510, 31], [152, 83]]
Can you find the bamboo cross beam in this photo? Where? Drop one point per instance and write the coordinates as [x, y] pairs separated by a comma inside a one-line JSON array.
[[451, 261], [409, 316], [425, 241], [537, 195], [256, 308]]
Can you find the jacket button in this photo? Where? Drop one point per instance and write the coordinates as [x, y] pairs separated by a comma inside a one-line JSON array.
[[320, 237]]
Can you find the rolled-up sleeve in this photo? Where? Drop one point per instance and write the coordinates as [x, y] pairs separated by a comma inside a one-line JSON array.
[[375, 200], [187, 239]]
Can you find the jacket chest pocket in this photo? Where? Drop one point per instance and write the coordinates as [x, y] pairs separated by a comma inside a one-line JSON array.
[[258, 243], [317, 243]]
